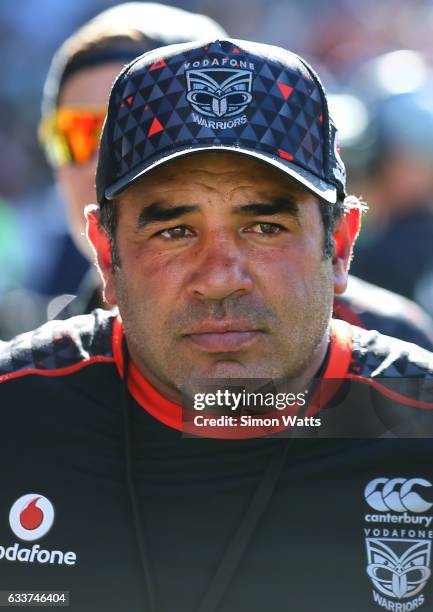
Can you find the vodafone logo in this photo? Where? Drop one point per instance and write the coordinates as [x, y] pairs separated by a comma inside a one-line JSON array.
[[31, 516]]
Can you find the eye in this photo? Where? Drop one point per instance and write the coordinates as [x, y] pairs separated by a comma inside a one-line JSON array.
[[264, 228], [175, 233]]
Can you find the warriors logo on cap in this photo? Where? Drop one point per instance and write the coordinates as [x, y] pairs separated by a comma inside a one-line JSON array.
[[219, 92]]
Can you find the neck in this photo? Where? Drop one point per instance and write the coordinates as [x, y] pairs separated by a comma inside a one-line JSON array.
[[169, 392]]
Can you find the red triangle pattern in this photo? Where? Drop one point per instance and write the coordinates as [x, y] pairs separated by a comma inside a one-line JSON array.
[[160, 64], [285, 90], [285, 155], [155, 128]]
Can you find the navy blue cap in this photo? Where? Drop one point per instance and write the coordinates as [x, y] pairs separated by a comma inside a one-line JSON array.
[[226, 95]]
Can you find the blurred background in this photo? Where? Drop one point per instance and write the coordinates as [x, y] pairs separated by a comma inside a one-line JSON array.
[[375, 61]]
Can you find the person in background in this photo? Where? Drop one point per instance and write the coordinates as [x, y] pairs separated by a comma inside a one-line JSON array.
[[74, 107]]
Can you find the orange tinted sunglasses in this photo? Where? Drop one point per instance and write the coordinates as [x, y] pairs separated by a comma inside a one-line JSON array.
[[71, 134]]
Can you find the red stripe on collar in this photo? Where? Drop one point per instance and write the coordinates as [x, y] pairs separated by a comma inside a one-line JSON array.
[[170, 414]]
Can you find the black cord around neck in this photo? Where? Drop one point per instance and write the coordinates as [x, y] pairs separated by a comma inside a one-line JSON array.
[[233, 554], [138, 526]]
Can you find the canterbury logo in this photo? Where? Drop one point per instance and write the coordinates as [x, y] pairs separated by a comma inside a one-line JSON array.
[[219, 92], [396, 494]]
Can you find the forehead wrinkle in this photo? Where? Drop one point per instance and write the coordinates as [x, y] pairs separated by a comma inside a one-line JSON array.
[[221, 183], [271, 191], [218, 170], [187, 187], [259, 191], [146, 194], [174, 173], [220, 178]]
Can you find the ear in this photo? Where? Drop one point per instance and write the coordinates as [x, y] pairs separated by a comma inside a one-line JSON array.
[[100, 243], [345, 235]]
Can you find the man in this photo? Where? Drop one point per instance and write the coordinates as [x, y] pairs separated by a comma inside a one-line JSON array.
[[75, 97], [222, 232]]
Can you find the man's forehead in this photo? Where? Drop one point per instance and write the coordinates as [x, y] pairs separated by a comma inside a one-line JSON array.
[[234, 171]]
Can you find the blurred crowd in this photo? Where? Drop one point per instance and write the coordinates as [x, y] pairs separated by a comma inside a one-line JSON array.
[[376, 62]]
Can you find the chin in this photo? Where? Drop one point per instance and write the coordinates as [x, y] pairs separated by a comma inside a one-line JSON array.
[[226, 368]]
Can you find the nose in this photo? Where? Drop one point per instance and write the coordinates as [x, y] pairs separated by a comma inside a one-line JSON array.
[[221, 269]]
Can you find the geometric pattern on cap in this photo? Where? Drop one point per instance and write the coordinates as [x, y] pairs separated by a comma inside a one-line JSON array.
[[153, 116]]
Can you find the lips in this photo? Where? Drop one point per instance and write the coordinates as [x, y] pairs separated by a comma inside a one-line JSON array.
[[223, 337]]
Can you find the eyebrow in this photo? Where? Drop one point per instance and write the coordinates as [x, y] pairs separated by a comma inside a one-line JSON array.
[[157, 212], [274, 207]]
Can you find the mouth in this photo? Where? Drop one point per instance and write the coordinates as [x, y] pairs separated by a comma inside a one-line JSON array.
[[224, 338]]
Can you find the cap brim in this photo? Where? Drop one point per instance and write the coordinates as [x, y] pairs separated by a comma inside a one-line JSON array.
[[312, 183]]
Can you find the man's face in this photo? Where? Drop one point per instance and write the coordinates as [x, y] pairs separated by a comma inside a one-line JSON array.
[[222, 272]]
